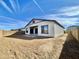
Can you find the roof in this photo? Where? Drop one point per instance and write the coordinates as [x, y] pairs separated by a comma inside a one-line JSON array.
[[46, 20]]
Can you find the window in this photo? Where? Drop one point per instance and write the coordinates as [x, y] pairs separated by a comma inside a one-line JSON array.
[[33, 21], [26, 31], [44, 29]]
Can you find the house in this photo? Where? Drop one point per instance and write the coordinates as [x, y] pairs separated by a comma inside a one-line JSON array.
[[20, 29], [43, 27]]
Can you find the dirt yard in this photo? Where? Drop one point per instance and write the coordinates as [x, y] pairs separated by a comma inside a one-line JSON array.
[[12, 47]]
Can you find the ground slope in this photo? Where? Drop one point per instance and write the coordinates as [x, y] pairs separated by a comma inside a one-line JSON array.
[[15, 48], [64, 47]]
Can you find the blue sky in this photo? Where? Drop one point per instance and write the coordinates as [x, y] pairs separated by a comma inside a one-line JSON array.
[[17, 13]]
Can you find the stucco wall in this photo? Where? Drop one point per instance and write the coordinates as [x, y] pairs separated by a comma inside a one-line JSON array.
[[58, 30], [50, 28], [54, 29]]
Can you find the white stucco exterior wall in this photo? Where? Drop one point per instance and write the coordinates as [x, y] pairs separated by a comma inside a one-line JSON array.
[[54, 29], [58, 31], [50, 28]]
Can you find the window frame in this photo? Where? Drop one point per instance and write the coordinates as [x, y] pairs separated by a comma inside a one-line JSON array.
[[43, 30]]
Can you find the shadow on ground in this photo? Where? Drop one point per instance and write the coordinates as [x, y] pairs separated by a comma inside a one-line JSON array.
[[21, 35], [70, 48]]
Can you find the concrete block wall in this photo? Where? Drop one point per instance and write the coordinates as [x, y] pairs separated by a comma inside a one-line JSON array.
[[6, 33], [0, 33], [75, 33]]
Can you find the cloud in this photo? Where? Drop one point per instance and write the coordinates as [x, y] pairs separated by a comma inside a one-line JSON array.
[[69, 11], [6, 6], [12, 2], [6, 24], [38, 6], [64, 21], [65, 16], [8, 19], [18, 5], [11, 22]]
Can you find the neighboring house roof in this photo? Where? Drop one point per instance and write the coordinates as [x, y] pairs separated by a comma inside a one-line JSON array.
[[17, 29], [45, 20]]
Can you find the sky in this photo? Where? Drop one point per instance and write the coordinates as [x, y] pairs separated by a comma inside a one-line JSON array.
[[16, 14]]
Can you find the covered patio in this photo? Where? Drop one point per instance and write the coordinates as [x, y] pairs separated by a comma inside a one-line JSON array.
[[34, 30]]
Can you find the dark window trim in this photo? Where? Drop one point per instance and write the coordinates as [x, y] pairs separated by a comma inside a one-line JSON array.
[[26, 30]]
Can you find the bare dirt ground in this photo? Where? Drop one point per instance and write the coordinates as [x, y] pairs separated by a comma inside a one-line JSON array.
[[46, 48], [70, 48]]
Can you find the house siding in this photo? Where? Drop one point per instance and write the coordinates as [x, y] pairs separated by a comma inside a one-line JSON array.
[[50, 28], [54, 30], [58, 31]]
